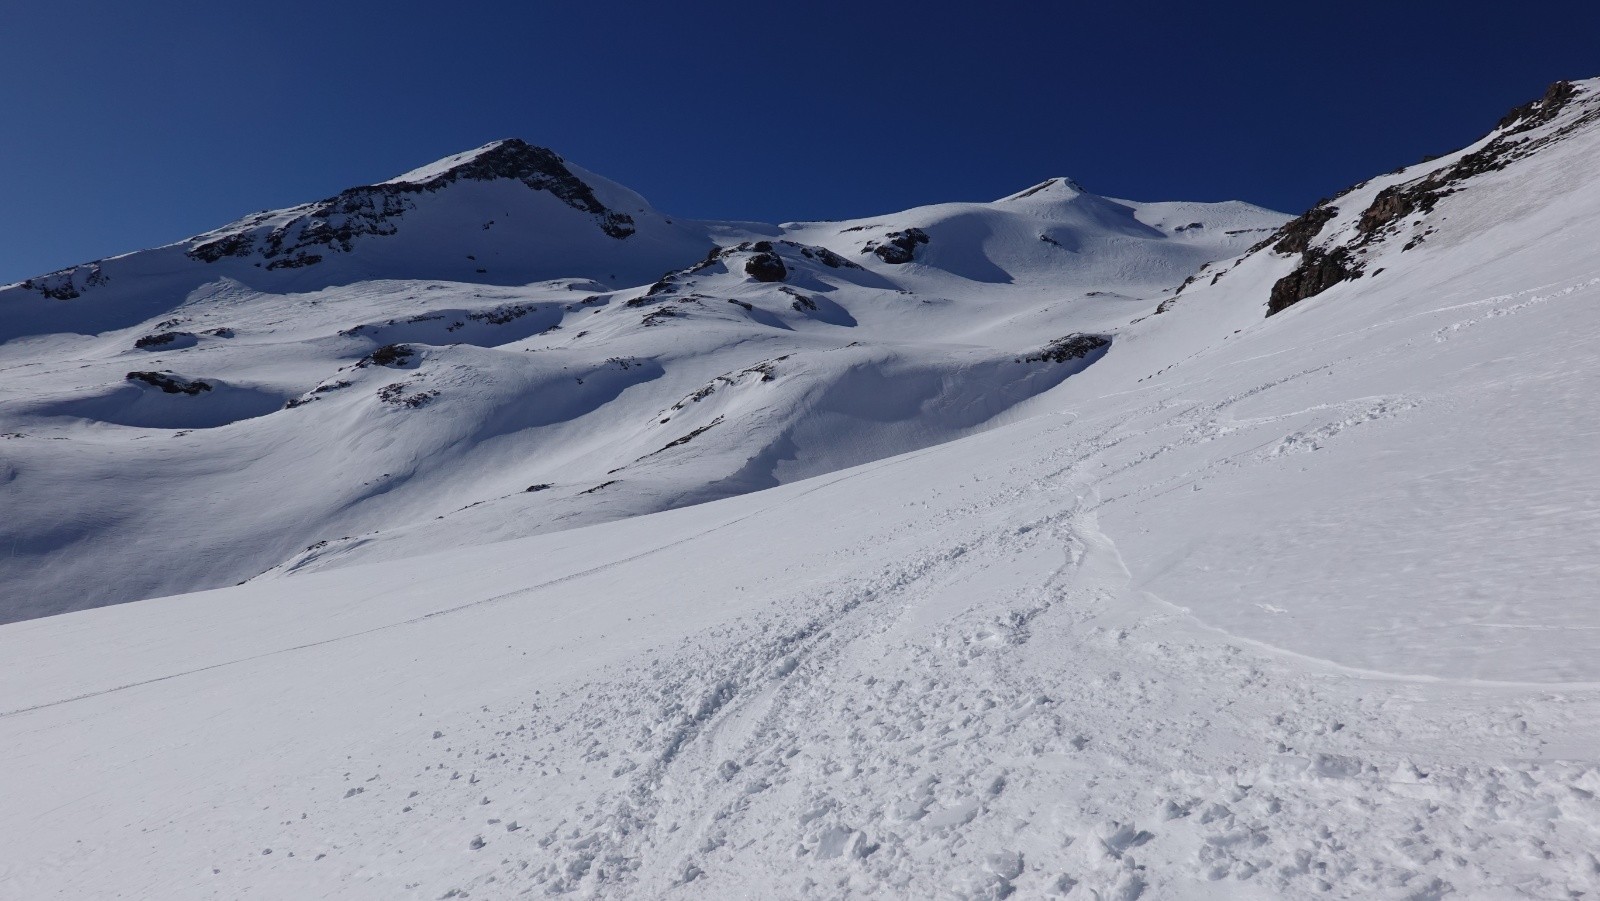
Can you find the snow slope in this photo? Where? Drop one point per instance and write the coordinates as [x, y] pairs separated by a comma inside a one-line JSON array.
[[1249, 607], [201, 414]]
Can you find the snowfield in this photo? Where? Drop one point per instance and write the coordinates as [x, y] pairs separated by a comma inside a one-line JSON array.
[[916, 601], [351, 418]]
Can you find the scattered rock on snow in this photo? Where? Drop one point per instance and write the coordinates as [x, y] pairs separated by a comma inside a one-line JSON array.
[[1071, 347], [388, 355], [397, 394], [169, 383], [168, 340], [897, 247]]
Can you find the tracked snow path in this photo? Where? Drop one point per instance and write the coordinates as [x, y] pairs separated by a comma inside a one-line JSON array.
[[959, 696], [894, 738]]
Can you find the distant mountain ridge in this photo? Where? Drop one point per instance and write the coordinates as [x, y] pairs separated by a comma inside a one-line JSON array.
[[395, 366], [390, 371]]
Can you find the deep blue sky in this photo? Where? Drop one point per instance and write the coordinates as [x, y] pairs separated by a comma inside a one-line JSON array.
[[125, 125]]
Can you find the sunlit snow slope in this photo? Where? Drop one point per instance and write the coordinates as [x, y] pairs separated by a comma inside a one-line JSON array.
[[1250, 606], [500, 344]]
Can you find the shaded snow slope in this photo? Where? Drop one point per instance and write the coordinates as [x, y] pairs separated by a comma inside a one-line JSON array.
[[384, 399]]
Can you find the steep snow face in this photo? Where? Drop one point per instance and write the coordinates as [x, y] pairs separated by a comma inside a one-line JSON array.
[[266, 412]]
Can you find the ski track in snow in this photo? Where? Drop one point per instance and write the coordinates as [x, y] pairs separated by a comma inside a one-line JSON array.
[[890, 736], [801, 747], [1522, 301]]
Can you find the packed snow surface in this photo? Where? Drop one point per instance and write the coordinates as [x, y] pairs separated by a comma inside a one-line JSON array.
[[1205, 604]]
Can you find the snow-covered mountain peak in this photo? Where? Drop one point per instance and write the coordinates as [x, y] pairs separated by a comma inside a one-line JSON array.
[[529, 193], [507, 213], [1058, 188], [540, 169], [495, 156]]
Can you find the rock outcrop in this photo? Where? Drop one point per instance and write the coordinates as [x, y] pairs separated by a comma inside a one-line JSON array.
[[1387, 213], [169, 383], [898, 247], [765, 265]]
